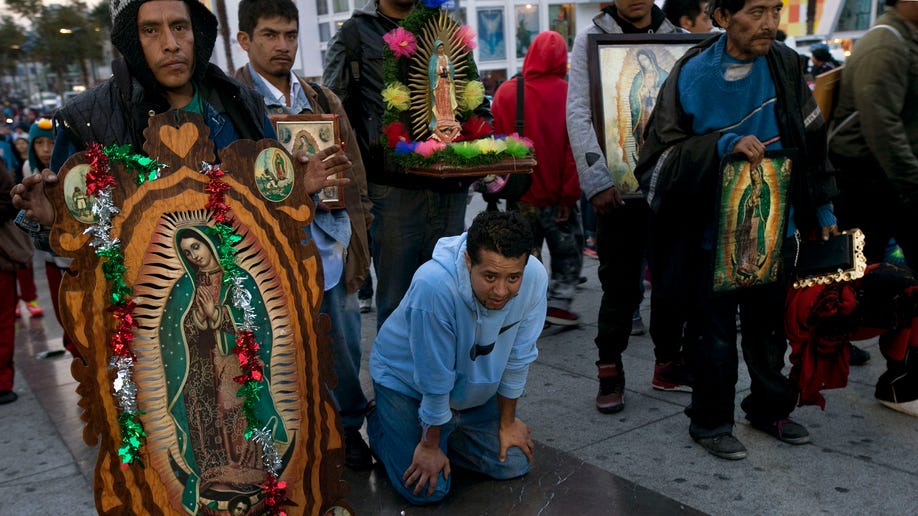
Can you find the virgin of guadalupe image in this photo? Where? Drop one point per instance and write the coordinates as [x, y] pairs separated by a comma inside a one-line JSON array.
[[441, 75], [644, 87], [197, 335], [750, 249]]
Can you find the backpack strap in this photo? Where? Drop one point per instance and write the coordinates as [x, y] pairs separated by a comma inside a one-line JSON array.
[[322, 98], [520, 115]]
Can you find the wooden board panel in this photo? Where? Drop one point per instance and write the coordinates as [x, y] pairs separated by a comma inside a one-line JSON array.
[[195, 460]]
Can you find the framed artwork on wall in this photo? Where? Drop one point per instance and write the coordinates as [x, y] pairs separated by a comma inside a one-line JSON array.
[[491, 46]]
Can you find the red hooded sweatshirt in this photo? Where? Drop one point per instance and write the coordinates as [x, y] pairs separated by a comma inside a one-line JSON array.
[[554, 180]]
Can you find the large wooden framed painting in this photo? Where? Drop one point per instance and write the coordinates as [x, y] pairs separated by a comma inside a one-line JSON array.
[[310, 134], [626, 73], [206, 372], [751, 221]]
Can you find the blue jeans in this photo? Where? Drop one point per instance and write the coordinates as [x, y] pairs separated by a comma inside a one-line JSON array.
[[406, 226], [343, 310], [470, 441]]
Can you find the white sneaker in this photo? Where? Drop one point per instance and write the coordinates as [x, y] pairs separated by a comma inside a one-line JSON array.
[[366, 305]]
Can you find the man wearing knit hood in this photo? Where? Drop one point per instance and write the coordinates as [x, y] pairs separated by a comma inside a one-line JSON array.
[[165, 47]]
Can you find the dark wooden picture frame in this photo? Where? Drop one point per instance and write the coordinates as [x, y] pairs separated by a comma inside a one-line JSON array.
[[311, 133], [751, 221], [624, 89]]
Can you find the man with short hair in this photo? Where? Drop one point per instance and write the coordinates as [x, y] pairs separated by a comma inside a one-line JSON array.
[[621, 222], [691, 15], [690, 132], [451, 361], [268, 32]]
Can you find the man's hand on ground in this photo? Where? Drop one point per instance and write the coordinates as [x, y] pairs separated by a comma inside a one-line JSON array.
[[426, 465], [516, 434]]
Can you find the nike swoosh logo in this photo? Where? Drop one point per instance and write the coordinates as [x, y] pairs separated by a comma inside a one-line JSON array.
[[479, 350]]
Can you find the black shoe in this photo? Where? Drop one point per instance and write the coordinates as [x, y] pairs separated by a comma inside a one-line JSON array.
[[637, 326], [357, 455], [724, 446], [857, 356], [8, 397], [784, 430]]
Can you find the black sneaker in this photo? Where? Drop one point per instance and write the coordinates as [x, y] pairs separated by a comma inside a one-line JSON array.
[[857, 356], [784, 430], [8, 397], [357, 455], [637, 326], [724, 446]]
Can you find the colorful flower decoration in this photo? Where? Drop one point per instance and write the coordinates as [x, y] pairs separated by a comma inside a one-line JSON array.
[[396, 96], [429, 148], [466, 38], [396, 132], [401, 42], [473, 95], [476, 127]]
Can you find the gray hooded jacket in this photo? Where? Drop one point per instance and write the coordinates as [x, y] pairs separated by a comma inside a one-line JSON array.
[[591, 162]]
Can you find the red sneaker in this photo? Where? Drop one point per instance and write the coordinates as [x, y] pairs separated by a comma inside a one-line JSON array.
[[34, 309], [562, 317]]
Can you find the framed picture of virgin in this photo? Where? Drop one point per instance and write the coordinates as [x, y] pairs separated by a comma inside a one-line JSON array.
[[309, 133], [626, 73], [751, 221]]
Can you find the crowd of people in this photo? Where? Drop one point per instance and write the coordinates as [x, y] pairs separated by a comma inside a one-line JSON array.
[[459, 313]]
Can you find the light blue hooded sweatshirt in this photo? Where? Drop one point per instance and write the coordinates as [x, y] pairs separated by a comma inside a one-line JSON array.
[[443, 347]]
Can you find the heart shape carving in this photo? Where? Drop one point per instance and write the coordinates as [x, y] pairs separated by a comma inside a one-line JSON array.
[[180, 140]]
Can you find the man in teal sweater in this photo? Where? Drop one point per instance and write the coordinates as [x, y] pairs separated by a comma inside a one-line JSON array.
[[690, 131]]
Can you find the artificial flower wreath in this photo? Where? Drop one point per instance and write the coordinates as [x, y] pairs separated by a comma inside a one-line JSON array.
[[407, 126]]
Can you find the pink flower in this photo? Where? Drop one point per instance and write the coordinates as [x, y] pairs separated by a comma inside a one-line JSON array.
[[466, 38], [401, 42], [429, 148]]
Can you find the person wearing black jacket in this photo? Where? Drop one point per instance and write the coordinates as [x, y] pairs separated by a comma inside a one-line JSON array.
[[689, 133], [410, 212]]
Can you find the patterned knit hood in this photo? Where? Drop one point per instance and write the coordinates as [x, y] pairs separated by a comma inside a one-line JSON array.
[[127, 41]]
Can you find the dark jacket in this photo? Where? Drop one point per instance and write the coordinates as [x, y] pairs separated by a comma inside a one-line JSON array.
[[354, 71], [117, 111], [678, 170], [356, 200]]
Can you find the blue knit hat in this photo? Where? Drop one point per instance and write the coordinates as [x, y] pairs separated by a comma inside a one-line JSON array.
[[42, 128]]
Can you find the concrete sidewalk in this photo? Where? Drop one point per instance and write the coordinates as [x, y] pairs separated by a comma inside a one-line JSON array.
[[863, 458]]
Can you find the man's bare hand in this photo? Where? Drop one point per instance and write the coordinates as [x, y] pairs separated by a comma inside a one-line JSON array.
[[29, 195], [828, 231], [516, 434], [426, 465], [607, 200], [752, 148], [323, 169], [563, 213]]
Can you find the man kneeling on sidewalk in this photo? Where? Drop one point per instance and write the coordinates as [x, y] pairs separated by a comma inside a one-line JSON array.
[[451, 361]]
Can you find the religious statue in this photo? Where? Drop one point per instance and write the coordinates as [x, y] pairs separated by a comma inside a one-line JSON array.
[[443, 103]]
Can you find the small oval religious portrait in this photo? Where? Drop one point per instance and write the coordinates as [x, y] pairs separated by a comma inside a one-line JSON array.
[[78, 202], [274, 174], [283, 135]]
